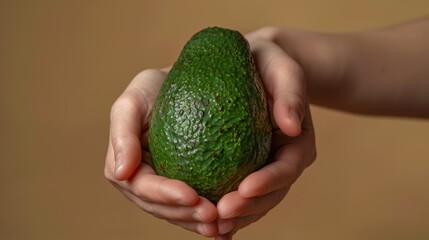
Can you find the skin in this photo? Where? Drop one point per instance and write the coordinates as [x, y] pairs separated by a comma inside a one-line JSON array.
[[383, 72]]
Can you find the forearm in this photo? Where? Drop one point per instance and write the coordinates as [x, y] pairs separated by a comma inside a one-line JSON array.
[[383, 72], [391, 70], [323, 58]]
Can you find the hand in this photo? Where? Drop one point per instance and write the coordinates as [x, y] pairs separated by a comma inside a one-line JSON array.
[[293, 143], [128, 166], [174, 200]]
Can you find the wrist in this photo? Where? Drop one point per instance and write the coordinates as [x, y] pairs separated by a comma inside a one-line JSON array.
[[326, 62]]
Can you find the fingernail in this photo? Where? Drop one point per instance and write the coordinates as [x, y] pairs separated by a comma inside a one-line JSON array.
[[294, 116], [225, 226], [200, 228], [119, 166]]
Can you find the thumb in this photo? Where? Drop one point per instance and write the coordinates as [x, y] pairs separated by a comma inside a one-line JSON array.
[[125, 128], [130, 120], [284, 81], [288, 111]]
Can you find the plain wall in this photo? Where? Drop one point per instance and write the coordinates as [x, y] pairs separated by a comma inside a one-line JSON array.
[[63, 63]]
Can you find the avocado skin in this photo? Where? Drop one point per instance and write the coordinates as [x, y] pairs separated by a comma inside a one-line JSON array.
[[210, 125]]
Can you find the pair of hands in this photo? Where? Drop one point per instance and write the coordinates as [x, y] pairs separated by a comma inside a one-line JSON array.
[[128, 166]]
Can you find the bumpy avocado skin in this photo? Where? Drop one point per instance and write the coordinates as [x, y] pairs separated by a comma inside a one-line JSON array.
[[210, 125]]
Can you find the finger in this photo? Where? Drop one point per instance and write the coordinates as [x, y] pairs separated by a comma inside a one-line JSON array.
[[265, 33], [284, 82], [289, 161], [149, 186], [203, 212], [205, 229], [166, 69], [291, 157], [225, 226], [234, 205], [239, 223], [128, 114], [243, 222], [109, 165]]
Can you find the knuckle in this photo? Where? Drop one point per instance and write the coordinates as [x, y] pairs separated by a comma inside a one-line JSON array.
[[147, 207], [290, 175], [138, 191], [275, 69], [281, 66], [127, 102], [285, 175], [148, 74], [151, 209], [270, 32]]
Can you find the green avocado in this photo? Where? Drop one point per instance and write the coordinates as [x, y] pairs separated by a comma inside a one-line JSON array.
[[210, 125]]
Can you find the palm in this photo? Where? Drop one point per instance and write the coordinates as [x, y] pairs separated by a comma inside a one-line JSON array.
[[128, 158], [128, 165]]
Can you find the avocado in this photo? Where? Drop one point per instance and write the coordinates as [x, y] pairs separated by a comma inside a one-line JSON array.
[[210, 125]]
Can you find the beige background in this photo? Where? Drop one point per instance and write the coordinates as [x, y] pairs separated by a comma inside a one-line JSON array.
[[63, 63]]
